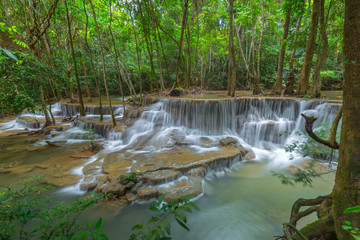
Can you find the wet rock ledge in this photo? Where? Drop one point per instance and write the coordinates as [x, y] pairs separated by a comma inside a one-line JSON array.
[[174, 172]]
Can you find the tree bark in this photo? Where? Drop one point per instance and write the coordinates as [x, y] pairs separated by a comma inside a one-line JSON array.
[[82, 110], [310, 48], [85, 72], [290, 79], [97, 83], [316, 78], [103, 64], [232, 63], [116, 59], [346, 192], [277, 88], [183, 25]]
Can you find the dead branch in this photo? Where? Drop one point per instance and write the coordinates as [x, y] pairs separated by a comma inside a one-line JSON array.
[[331, 142]]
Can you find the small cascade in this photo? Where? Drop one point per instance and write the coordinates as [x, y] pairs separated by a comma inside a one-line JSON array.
[[263, 123], [101, 128], [72, 110], [30, 123]]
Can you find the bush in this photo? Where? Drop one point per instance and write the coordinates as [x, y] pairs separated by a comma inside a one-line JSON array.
[[26, 212]]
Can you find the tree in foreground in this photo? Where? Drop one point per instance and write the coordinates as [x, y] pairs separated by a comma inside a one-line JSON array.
[[338, 212]]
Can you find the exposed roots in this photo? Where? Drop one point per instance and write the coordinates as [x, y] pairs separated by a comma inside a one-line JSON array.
[[321, 229]]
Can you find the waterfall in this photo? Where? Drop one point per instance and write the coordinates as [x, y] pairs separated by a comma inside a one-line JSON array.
[[259, 122]]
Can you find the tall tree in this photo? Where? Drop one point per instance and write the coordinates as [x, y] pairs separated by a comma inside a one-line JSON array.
[[290, 78], [103, 64], [277, 88], [82, 110], [316, 78], [96, 80], [232, 64], [346, 192], [310, 48], [183, 26]]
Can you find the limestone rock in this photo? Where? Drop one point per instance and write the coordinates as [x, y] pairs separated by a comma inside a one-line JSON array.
[[228, 141], [161, 176], [250, 155]]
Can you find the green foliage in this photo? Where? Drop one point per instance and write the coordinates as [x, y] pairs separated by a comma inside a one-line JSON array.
[[129, 180], [331, 74], [20, 81], [311, 148], [27, 212], [300, 176], [90, 134], [355, 232], [90, 233], [158, 227]]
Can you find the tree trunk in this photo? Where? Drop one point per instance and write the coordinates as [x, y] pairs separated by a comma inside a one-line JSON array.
[[97, 83], [116, 59], [188, 51], [316, 78], [346, 192], [137, 54], [183, 25], [85, 72], [232, 63], [310, 48], [103, 64], [82, 110], [279, 77], [290, 79], [148, 43]]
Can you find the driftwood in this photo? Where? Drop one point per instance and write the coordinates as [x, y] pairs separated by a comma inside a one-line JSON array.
[[331, 142]]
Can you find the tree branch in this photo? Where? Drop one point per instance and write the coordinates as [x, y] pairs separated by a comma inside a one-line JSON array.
[[331, 142]]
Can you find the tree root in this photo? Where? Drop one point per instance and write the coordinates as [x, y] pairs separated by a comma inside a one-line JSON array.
[[321, 229]]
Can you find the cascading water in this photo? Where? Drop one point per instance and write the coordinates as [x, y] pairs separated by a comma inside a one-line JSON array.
[[265, 125], [261, 123]]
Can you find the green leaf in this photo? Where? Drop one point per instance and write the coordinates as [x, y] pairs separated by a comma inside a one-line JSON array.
[[346, 227], [180, 215], [103, 236], [9, 54], [356, 237], [154, 207], [69, 237], [138, 226], [194, 205], [98, 225], [166, 225], [355, 209], [182, 224]]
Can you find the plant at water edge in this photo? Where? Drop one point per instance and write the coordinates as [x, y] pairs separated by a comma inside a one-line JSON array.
[[355, 232], [158, 227], [26, 212], [90, 234], [311, 148], [300, 176]]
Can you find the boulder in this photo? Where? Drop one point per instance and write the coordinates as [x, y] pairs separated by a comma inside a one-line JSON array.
[[176, 93], [228, 141], [250, 155]]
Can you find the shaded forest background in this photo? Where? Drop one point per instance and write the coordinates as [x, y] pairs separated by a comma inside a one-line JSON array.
[[150, 46]]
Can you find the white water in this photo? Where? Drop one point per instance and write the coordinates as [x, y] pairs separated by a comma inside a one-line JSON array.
[[263, 124]]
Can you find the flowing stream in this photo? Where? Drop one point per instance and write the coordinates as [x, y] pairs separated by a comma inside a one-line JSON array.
[[239, 202]]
